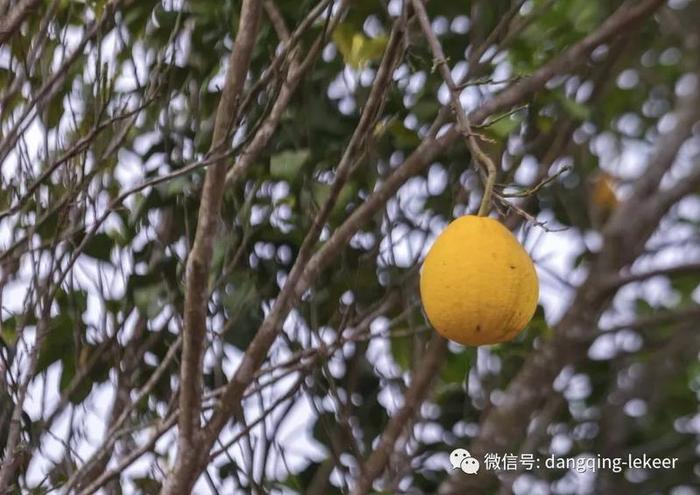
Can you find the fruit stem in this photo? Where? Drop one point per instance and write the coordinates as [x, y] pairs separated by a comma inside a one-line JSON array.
[[440, 63], [485, 205]]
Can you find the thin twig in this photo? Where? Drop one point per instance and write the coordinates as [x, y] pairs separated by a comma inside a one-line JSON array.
[[536, 188], [181, 479], [462, 119], [413, 398]]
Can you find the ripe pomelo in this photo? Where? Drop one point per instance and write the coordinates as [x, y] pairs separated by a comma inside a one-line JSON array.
[[478, 285]]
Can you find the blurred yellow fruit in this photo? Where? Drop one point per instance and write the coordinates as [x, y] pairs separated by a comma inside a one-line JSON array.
[[603, 193], [603, 199], [478, 285]]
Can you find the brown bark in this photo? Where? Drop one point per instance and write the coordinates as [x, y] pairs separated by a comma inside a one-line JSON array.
[[190, 452]]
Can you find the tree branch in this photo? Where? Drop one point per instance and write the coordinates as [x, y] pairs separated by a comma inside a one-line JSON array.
[[465, 127], [413, 398], [669, 317], [624, 279], [112, 435], [52, 84], [294, 75], [182, 477], [624, 237], [13, 20], [431, 147], [268, 331], [625, 17]]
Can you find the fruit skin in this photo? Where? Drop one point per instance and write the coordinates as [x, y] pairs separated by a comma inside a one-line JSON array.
[[478, 285], [603, 191], [603, 199]]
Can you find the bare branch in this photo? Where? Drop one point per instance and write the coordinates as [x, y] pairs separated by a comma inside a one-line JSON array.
[[13, 20], [113, 434], [294, 76], [184, 473], [413, 398], [624, 279], [269, 329], [624, 237], [625, 17], [52, 84], [462, 120], [431, 146], [162, 427], [689, 313]]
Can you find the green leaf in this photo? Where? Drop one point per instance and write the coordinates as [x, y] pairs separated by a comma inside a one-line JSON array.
[[227, 469], [573, 108], [147, 485], [685, 284], [47, 228], [458, 365], [242, 304], [99, 247], [82, 390], [503, 127], [342, 37], [321, 194], [8, 331], [403, 137], [357, 49], [54, 111], [425, 109], [175, 186], [643, 307], [287, 164], [402, 351], [147, 301], [58, 342]]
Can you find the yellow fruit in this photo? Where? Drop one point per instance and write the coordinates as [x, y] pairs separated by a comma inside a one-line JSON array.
[[603, 195], [478, 285], [603, 198]]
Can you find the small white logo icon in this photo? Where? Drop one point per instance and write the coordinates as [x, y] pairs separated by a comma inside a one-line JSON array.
[[462, 459]]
